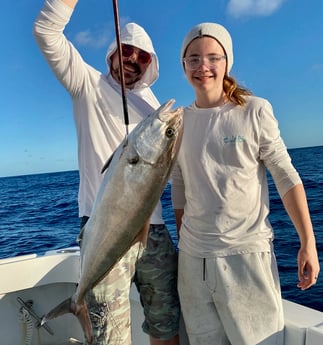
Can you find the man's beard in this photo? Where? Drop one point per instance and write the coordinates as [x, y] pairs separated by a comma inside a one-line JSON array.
[[129, 78]]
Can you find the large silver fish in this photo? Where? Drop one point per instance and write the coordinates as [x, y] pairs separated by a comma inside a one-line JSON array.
[[131, 188]]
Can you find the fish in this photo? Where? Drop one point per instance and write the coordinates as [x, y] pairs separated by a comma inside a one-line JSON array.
[[134, 179]]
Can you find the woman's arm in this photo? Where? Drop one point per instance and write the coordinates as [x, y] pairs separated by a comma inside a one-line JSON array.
[[295, 203], [178, 218]]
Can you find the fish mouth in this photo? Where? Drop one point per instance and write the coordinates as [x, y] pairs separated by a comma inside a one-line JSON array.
[[177, 119], [174, 118], [166, 110]]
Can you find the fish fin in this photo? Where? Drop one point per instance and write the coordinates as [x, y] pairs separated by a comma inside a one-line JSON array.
[[143, 234], [79, 310], [106, 165], [62, 308], [82, 313]]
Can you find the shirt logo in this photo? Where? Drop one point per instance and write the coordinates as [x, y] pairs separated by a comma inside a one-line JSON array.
[[234, 139]]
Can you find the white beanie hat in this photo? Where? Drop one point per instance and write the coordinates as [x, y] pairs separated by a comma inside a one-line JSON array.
[[216, 31]]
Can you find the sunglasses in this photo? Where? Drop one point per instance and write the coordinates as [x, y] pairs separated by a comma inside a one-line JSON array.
[[142, 56]]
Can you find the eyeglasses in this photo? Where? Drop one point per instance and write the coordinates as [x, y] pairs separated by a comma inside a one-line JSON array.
[[142, 56], [192, 63]]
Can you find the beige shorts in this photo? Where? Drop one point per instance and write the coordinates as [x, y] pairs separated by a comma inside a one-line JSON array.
[[233, 300]]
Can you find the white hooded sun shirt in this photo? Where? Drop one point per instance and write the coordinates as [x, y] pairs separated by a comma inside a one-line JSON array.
[[97, 101]]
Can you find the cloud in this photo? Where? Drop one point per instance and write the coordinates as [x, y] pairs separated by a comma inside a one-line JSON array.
[[100, 36], [317, 67], [241, 8], [94, 38]]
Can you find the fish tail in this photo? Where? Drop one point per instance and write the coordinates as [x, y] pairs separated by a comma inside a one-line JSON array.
[[82, 313], [63, 308], [79, 310]]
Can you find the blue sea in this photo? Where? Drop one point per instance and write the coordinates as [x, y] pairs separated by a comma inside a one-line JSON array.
[[40, 213]]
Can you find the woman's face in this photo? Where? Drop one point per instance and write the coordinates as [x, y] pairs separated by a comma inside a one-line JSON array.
[[205, 64]]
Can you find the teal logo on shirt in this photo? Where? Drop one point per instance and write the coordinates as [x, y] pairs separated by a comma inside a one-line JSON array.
[[234, 139]]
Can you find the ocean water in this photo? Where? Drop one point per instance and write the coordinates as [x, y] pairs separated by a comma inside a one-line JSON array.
[[39, 213]]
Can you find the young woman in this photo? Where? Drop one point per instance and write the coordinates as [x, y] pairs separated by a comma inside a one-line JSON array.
[[228, 280]]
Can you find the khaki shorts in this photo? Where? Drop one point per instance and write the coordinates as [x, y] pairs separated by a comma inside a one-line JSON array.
[[233, 300]]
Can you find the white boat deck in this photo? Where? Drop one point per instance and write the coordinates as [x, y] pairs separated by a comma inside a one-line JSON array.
[[49, 279]]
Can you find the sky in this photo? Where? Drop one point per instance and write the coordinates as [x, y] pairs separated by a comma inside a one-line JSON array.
[[278, 55]]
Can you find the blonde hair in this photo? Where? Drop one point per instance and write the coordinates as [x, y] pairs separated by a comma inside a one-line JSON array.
[[235, 93]]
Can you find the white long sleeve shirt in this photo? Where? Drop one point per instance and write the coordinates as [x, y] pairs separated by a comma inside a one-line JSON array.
[[97, 101], [222, 164]]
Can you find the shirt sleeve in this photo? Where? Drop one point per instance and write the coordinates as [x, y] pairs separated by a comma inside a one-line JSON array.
[[274, 154], [62, 57]]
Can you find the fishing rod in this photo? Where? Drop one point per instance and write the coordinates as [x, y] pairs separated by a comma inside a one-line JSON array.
[[119, 49]]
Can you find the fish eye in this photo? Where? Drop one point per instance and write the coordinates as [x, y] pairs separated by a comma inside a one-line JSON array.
[[133, 160], [170, 132]]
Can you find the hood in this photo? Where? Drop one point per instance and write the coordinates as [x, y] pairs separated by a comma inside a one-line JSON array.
[[136, 36]]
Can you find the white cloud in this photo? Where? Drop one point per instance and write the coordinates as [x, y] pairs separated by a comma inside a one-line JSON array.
[[100, 36], [240, 8], [94, 38], [317, 67]]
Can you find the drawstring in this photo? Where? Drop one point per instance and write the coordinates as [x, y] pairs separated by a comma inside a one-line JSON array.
[[204, 269]]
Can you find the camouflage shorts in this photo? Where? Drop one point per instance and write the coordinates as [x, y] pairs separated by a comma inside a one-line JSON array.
[[109, 304], [156, 281]]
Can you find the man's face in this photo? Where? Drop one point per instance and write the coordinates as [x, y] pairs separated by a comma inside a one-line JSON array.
[[135, 64]]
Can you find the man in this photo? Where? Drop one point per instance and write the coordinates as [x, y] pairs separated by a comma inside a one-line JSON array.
[[99, 121]]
